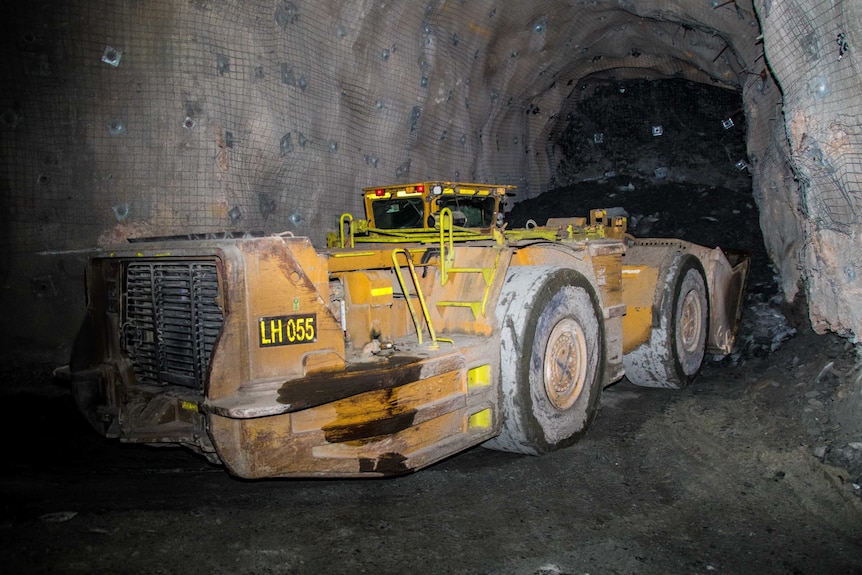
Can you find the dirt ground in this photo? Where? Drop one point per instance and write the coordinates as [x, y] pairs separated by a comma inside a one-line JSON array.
[[721, 477]]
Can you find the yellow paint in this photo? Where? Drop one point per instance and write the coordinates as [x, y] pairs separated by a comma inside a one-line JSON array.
[[320, 360], [639, 286], [158, 255], [481, 419], [473, 306], [367, 260], [637, 324], [352, 254], [189, 406], [362, 286], [479, 376], [287, 330], [368, 297]]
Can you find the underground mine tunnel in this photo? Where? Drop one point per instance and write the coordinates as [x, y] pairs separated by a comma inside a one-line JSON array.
[[726, 123], [199, 116]]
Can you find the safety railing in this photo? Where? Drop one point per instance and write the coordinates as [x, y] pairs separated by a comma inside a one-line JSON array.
[[420, 296]]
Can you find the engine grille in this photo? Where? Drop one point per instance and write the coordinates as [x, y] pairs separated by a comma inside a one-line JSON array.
[[171, 319]]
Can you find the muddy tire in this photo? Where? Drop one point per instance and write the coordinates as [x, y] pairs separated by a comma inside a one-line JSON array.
[[552, 359], [674, 354]]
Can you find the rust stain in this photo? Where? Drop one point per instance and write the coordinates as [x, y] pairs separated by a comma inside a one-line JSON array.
[[480, 30], [221, 154], [287, 262], [799, 126], [837, 142], [219, 209], [320, 388], [387, 463], [365, 431], [382, 413]]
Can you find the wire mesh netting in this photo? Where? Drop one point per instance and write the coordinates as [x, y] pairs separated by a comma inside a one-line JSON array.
[[810, 48], [127, 119], [124, 119]]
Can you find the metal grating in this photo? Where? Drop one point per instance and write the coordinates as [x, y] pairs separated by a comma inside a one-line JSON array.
[[171, 321]]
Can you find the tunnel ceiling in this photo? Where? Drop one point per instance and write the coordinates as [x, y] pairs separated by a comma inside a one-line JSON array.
[[127, 119]]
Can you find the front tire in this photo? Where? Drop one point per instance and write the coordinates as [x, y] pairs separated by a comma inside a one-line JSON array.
[[552, 359]]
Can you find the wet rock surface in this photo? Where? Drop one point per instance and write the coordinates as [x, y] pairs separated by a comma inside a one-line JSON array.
[[746, 471]]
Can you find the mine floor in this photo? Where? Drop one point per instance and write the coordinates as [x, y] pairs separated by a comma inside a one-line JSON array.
[[731, 475]]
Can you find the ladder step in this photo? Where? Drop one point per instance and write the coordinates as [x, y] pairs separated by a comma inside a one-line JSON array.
[[487, 273], [475, 306]]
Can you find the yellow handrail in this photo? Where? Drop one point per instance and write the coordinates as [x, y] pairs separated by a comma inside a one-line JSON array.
[[447, 257], [345, 218], [422, 304]]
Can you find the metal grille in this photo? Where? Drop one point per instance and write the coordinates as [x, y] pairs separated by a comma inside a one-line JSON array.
[[171, 321]]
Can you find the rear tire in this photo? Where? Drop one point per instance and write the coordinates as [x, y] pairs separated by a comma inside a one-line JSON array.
[[674, 354], [552, 359]]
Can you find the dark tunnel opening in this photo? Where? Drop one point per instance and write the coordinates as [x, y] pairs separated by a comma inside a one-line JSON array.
[[670, 130], [671, 154]]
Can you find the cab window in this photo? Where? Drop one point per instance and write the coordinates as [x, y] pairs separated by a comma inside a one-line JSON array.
[[398, 213], [474, 212]]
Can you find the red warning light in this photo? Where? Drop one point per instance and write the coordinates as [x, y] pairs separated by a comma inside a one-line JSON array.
[[420, 189], [378, 193]]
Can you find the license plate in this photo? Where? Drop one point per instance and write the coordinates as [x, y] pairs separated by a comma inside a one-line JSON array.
[[288, 329]]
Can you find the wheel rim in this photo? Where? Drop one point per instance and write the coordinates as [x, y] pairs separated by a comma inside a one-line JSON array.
[[565, 363], [691, 322]]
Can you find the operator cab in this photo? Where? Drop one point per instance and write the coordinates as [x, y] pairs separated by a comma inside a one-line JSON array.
[[417, 206]]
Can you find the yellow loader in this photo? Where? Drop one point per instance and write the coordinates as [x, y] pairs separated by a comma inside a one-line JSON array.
[[423, 329]]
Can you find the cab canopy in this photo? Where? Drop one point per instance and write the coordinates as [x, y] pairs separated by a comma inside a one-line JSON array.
[[416, 206]]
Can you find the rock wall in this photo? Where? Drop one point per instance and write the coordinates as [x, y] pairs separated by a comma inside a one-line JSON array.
[[127, 119], [810, 48]]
